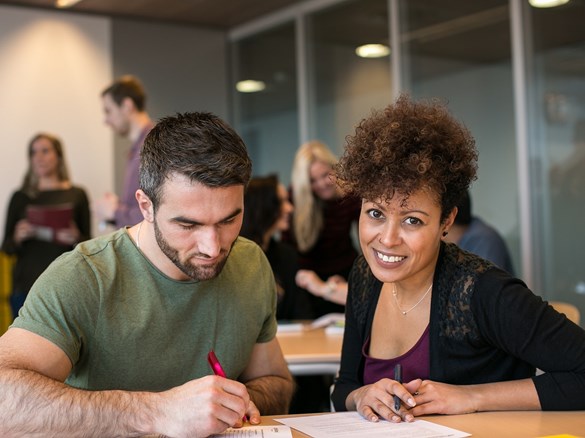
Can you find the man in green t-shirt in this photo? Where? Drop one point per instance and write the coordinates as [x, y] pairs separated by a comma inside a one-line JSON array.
[[114, 336]]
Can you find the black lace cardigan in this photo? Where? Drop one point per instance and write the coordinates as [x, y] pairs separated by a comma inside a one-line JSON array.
[[485, 326]]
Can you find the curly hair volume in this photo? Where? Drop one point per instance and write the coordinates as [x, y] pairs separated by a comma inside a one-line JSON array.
[[406, 147]]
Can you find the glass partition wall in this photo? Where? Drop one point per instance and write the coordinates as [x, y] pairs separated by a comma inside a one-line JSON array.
[[513, 73], [268, 119], [555, 41], [345, 86], [460, 51]]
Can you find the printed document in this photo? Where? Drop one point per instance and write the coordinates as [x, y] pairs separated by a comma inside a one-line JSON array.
[[257, 432], [351, 425]]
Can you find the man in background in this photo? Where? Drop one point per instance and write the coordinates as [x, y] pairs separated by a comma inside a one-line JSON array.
[[124, 104], [474, 235]]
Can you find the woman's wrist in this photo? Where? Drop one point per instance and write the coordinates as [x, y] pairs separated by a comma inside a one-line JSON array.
[[330, 290], [350, 403]]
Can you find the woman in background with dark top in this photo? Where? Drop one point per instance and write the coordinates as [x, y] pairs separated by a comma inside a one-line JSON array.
[[322, 221], [267, 212], [45, 184]]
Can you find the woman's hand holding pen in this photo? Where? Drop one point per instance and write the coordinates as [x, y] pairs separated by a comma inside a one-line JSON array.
[[377, 400]]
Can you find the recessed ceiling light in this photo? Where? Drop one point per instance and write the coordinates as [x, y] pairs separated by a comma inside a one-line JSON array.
[[372, 50], [250, 86], [547, 3], [65, 3]]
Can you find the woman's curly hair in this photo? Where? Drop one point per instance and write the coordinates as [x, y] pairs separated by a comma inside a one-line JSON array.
[[409, 146]]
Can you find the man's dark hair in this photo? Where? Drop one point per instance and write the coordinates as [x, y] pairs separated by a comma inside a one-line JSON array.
[[464, 210], [127, 86], [199, 146]]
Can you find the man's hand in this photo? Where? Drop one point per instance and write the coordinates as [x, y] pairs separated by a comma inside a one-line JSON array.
[[203, 407], [105, 207]]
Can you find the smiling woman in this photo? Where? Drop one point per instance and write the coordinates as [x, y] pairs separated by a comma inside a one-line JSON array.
[[463, 330]]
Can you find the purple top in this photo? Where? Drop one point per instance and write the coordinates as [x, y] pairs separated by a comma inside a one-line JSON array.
[[415, 362], [128, 212]]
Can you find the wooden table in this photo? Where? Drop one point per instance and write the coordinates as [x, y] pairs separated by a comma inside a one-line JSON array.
[[311, 351], [513, 424]]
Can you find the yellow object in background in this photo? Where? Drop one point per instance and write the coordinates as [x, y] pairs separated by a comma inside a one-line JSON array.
[[560, 436], [6, 263]]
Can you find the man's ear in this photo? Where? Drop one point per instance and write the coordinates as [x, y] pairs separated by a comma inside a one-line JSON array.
[[127, 105], [145, 205]]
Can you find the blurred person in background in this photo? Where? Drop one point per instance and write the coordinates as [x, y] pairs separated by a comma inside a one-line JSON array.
[[46, 184], [322, 221], [334, 289], [124, 105], [267, 212], [567, 190], [472, 234]]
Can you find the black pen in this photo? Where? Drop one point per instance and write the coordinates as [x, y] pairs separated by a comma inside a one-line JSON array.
[[398, 378]]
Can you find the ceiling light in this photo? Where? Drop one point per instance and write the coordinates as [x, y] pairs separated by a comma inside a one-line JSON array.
[[65, 3], [547, 3], [250, 86], [372, 50]]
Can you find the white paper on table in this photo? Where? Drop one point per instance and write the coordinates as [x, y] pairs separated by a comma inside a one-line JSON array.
[[290, 327], [257, 432], [327, 320], [352, 424]]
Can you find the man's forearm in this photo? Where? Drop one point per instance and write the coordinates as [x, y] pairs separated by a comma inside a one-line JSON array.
[[271, 394], [34, 405]]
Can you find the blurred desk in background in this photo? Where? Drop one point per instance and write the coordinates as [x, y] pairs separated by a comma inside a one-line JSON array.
[[310, 352]]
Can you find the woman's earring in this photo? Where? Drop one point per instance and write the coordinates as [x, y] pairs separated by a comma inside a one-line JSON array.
[[445, 233]]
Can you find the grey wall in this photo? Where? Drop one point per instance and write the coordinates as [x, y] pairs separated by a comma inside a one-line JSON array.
[[52, 65]]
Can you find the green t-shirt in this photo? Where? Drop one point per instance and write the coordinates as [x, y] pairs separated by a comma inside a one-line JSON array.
[[126, 325]]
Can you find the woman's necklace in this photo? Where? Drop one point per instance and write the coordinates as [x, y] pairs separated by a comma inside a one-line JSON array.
[[404, 312]]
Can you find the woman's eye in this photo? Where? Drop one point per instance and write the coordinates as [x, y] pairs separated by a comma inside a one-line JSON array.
[[413, 221], [375, 214]]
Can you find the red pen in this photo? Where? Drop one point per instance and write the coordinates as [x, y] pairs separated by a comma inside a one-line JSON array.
[[218, 370], [215, 365]]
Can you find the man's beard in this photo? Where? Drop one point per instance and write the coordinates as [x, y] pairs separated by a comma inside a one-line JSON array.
[[200, 273]]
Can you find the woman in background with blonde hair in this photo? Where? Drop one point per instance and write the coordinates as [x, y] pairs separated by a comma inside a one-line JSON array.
[[46, 187], [321, 224]]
